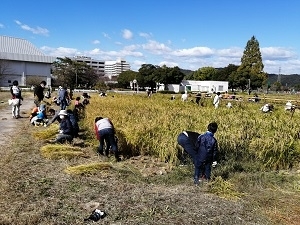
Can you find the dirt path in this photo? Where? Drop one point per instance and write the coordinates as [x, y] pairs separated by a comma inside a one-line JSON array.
[[8, 124]]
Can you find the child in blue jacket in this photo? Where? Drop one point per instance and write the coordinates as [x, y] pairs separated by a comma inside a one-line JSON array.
[[207, 153]]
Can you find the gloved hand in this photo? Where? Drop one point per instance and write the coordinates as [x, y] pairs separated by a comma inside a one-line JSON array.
[[61, 131], [214, 164]]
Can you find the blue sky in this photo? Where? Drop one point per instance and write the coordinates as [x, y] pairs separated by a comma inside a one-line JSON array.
[[189, 34]]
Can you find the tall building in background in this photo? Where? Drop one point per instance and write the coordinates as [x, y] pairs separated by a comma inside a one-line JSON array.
[[97, 65], [105, 68], [114, 68]]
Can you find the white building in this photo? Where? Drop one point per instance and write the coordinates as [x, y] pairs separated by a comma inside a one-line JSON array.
[[20, 60], [197, 86], [205, 86], [114, 68]]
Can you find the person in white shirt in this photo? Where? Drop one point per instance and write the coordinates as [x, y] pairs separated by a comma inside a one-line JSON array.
[[265, 108], [105, 131], [288, 106], [216, 101]]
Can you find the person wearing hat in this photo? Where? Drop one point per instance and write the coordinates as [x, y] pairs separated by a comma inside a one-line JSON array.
[[73, 117], [65, 128]]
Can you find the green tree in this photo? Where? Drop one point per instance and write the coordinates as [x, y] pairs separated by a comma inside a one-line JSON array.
[[166, 75], [204, 73], [147, 76], [251, 67], [126, 77], [224, 73], [276, 86], [74, 74]]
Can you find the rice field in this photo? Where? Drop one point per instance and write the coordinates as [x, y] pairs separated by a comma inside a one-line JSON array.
[[247, 137]]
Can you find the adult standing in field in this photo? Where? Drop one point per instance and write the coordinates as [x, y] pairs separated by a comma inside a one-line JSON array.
[[217, 99], [63, 98], [16, 94], [105, 131], [207, 153], [187, 140], [39, 93]]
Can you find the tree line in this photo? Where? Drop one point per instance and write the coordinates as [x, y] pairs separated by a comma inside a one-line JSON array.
[[250, 72]]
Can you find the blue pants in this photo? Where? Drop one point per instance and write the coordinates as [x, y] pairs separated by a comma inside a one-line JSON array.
[[202, 170], [108, 136], [187, 145], [63, 104]]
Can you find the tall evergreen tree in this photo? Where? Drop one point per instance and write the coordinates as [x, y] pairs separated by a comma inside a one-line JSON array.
[[251, 67]]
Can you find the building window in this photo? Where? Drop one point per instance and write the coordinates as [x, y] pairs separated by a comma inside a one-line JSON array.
[[221, 88]]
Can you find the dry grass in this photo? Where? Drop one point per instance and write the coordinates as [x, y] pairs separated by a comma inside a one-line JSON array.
[[45, 133], [92, 168], [58, 151]]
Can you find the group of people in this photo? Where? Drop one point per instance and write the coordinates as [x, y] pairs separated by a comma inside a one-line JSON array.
[[68, 120], [202, 149]]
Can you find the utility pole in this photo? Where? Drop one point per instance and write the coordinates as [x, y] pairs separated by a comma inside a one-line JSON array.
[[279, 76]]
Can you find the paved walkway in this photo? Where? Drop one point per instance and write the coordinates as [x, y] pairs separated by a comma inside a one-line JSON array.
[[8, 125]]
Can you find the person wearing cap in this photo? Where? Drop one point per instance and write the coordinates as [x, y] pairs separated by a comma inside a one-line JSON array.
[[105, 131], [65, 128], [39, 93], [187, 140], [73, 116]]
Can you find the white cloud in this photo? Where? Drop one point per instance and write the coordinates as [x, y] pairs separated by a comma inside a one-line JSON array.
[[127, 34], [168, 64], [156, 53], [37, 30], [196, 51], [96, 42], [156, 47], [145, 35], [60, 51], [106, 35], [278, 53], [231, 52], [2, 25]]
